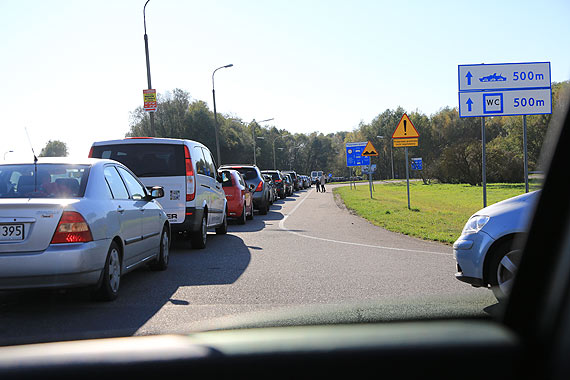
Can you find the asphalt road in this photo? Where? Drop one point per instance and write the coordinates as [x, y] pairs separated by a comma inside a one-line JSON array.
[[308, 260]]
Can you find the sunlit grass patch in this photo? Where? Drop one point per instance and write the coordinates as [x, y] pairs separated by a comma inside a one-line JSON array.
[[438, 211]]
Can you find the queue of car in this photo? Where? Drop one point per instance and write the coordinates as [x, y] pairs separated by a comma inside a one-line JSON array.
[[69, 223]]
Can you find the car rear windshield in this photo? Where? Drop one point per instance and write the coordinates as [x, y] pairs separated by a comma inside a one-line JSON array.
[[43, 180], [146, 160], [248, 173]]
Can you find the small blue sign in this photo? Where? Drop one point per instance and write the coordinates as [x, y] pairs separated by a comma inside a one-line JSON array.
[[417, 164], [354, 154]]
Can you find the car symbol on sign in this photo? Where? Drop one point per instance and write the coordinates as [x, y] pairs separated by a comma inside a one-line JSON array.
[[493, 78]]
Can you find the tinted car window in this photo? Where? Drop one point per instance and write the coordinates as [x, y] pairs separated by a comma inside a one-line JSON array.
[[116, 184], [45, 181], [146, 160], [135, 188]]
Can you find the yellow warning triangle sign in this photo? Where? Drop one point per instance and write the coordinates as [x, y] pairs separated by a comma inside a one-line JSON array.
[[405, 129], [369, 150]]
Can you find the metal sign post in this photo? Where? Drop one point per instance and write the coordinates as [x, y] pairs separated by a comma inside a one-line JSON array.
[[407, 176], [525, 156], [484, 163]]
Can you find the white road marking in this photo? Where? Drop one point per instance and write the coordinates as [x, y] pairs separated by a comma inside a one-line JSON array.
[[282, 226]]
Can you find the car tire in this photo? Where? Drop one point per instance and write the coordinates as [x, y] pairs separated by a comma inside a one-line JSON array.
[[198, 238], [243, 216], [108, 289], [161, 262], [502, 269], [223, 229]]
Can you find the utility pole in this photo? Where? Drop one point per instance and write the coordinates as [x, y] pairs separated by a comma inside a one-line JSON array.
[[148, 66]]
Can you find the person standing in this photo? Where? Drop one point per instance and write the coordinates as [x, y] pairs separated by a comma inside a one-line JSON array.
[[322, 179]]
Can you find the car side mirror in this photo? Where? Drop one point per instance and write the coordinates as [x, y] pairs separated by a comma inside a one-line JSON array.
[[156, 192]]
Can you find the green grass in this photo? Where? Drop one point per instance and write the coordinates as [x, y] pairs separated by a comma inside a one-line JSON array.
[[438, 211]]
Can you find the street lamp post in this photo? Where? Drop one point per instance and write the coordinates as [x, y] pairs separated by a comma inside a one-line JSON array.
[[275, 166], [391, 155], [261, 138], [292, 150], [215, 114], [148, 65]]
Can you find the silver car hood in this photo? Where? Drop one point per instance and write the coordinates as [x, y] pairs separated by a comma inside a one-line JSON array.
[[511, 215]]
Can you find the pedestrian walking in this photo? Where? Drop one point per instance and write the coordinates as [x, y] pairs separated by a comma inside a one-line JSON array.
[[323, 190]]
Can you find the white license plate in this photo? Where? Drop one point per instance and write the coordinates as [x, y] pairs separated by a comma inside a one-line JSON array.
[[11, 232]]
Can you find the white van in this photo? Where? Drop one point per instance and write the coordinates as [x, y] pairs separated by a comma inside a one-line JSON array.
[[193, 196]]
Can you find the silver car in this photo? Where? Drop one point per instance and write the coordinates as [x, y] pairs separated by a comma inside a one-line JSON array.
[[485, 254], [67, 223]]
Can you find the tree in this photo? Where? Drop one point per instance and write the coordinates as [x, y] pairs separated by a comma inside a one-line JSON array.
[[54, 148]]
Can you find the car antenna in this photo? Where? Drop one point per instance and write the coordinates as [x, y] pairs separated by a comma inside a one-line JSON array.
[[35, 161]]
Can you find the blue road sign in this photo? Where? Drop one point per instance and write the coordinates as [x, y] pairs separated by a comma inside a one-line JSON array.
[[354, 154], [417, 164]]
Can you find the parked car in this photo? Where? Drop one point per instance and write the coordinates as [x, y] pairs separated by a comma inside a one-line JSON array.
[[485, 252], [288, 184], [272, 190], [195, 200], [255, 181], [294, 178], [69, 223], [306, 182], [277, 177], [238, 195]]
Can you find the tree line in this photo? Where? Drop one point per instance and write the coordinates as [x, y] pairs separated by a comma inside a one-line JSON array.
[[450, 146]]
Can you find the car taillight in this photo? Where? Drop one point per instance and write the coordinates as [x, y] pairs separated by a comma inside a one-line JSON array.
[[90, 152], [260, 186], [190, 182], [72, 228]]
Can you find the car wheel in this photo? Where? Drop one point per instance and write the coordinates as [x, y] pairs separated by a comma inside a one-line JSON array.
[[503, 268], [161, 262], [198, 238], [223, 229], [108, 289], [243, 216]]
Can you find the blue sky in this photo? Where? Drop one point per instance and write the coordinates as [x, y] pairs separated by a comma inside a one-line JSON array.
[[74, 70]]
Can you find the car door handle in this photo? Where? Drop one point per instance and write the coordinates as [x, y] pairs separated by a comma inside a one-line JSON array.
[[120, 210], [206, 186]]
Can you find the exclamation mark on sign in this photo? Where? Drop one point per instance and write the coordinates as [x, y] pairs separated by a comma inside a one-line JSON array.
[[405, 132]]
